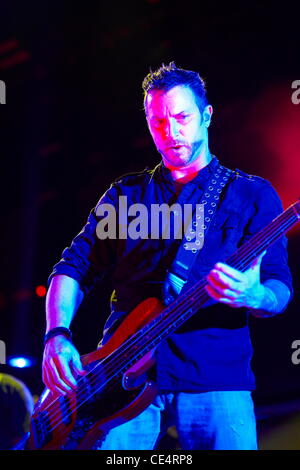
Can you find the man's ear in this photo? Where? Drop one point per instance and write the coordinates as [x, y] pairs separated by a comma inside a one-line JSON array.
[[207, 114]]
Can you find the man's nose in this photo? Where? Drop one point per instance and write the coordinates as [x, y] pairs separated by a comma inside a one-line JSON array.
[[172, 128]]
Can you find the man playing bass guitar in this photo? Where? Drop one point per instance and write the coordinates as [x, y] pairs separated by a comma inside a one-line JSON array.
[[203, 369]]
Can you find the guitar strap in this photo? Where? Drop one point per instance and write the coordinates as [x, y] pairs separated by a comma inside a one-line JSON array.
[[197, 229]]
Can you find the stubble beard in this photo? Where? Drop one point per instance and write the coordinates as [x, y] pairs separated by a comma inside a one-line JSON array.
[[187, 158]]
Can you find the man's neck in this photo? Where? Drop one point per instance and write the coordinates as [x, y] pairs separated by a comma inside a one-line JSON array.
[[188, 172]]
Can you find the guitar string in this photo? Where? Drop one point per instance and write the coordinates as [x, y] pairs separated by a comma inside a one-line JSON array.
[[139, 337], [95, 378]]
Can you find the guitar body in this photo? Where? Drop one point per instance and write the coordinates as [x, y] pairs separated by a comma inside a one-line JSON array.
[[82, 417]]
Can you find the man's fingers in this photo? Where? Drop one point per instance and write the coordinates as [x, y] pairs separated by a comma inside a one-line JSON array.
[[229, 271], [219, 294], [46, 378], [218, 278], [61, 365], [56, 381], [77, 366], [223, 291], [54, 388], [64, 371], [232, 302]]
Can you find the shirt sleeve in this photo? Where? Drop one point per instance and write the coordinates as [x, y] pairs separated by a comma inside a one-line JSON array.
[[88, 259], [275, 262]]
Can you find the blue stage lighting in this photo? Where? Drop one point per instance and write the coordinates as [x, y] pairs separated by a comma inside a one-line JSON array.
[[20, 362]]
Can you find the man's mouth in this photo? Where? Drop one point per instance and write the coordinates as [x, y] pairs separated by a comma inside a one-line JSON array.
[[177, 146]]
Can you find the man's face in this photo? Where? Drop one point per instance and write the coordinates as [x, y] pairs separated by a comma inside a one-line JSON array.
[[177, 127]]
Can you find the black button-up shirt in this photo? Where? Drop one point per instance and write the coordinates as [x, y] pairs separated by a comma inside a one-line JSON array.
[[212, 350]]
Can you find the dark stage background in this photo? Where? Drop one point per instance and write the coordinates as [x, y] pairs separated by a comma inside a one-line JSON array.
[[73, 121]]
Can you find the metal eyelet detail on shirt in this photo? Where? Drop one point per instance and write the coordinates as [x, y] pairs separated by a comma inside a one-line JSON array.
[[216, 198], [195, 224], [222, 184], [194, 250], [213, 204], [207, 219], [204, 202], [207, 195], [188, 239], [210, 211], [211, 188], [197, 242], [214, 181], [185, 246], [218, 190]]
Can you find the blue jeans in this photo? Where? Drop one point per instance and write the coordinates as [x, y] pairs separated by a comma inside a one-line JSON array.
[[222, 420]]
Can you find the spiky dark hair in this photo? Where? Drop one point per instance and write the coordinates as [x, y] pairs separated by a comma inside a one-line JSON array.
[[169, 76]]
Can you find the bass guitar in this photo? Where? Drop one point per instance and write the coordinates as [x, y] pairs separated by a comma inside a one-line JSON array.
[[115, 388]]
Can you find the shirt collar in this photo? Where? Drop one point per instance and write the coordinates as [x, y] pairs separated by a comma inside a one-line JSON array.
[[200, 179]]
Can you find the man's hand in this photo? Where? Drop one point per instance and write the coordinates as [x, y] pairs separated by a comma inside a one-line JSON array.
[[61, 365], [236, 288]]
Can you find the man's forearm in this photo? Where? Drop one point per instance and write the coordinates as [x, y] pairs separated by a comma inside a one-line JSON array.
[[274, 300], [63, 299]]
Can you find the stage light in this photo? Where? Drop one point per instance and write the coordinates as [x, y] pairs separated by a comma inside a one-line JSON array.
[[40, 291], [20, 362]]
